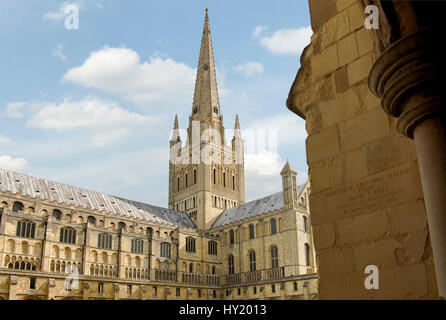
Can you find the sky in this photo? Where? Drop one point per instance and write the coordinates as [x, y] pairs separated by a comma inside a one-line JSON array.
[[93, 105]]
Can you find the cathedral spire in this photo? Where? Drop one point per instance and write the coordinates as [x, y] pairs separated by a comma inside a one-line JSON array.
[[206, 104], [176, 131], [237, 123]]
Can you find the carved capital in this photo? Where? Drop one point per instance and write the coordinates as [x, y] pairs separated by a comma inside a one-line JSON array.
[[407, 76]]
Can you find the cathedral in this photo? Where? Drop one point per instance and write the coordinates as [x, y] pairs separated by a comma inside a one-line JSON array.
[[63, 242]]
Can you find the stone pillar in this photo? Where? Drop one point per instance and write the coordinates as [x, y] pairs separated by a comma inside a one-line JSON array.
[[408, 78]]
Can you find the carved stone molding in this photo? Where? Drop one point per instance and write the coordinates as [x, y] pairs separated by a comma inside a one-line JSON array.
[[407, 76]]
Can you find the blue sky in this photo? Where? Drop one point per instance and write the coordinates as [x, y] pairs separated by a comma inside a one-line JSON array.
[[94, 107]]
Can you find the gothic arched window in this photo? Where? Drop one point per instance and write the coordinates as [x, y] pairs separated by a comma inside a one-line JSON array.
[[25, 229], [17, 206], [307, 254], [190, 244], [273, 226], [251, 231], [252, 261], [104, 241], [67, 235], [231, 264], [274, 257], [165, 250], [57, 214], [231, 236]]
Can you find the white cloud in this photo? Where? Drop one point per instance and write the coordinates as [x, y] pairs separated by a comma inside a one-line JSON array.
[[249, 69], [157, 82], [258, 30], [263, 163], [14, 109], [14, 164], [105, 121], [60, 13], [288, 41], [58, 53], [4, 140], [288, 129]]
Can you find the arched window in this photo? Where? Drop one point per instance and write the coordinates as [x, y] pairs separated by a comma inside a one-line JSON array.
[[91, 220], [305, 223], [231, 264], [187, 182], [274, 257], [121, 226], [224, 179], [178, 183], [231, 236], [215, 176], [213, 269], [233, 182], [307, 254], [251, 231], [190, 244], [252, 261], [165, 250], [149, 231], [137, 246], [26, 229], [57, 214], [273, 226], [67, 235], [191, 267], [104, 241], [195, 176], [212, 247], [17, 206]]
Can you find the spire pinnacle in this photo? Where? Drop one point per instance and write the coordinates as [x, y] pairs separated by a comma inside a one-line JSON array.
[[237, 123], [206, 102], [175, 123]]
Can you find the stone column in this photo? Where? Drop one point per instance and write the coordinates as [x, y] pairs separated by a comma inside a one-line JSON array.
[[408, 76]]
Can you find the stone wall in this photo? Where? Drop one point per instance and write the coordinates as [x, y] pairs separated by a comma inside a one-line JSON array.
[[366, 200]]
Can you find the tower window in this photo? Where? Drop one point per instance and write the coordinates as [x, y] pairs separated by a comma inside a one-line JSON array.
[[17, 206], [178, 183], [252, 261], [32, 283], [206, 67], [186, 180], [251, 231], [190, 244], [224, 179], [233, 183], [273, 226], [274, 257], [67, 235], [231, 264], [231, 236], [305, 223], [195, 110], [212, 247], [215, 110], [57, 214], [195, 176], [307, 254], [215, 177]]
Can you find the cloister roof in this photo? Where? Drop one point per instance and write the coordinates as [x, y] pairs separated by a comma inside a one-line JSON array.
[[25, 185]]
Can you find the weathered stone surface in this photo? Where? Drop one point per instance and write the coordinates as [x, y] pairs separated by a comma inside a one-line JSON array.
[[360, 68], [342, 4], [335, 262], [364, 40], [348, 167], [362, 129], [320, 14], [385, 153], [358, 228], [325, 62], [320, 175], [347, 49], [325, 236], [355, 16], [341, 79], [322, 145], [408, 217]]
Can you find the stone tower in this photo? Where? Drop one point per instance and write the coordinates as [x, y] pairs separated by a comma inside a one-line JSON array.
[[205, 175], [289, 186]]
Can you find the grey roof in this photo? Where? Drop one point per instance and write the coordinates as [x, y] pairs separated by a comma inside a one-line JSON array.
[[25, 185], [253, 208]]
